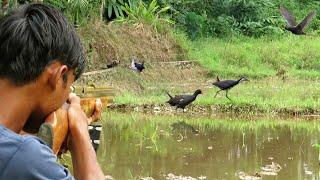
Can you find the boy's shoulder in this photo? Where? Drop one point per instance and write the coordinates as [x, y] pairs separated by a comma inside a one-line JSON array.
[[27, 157]]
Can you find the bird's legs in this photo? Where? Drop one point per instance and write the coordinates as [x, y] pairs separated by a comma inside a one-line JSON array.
[[217, 93], [227, 95]]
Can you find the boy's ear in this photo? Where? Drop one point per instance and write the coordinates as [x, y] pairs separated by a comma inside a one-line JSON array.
[[56, 71]]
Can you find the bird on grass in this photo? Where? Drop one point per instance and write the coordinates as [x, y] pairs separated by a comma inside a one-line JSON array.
[[112, 64], [139, 67], [292, 25], [226, 85], [181, 101]]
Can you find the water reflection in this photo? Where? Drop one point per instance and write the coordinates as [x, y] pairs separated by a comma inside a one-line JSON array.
[[135, 146]]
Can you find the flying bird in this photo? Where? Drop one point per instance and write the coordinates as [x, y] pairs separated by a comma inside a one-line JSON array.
[[139, 67], [181, 101], [226, 85], [292, 25]]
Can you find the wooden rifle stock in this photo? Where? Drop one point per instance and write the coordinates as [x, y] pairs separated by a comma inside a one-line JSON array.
[[55, 129]]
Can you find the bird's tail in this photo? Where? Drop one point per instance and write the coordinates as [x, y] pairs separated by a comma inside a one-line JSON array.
[[169, 95], [217, 79]]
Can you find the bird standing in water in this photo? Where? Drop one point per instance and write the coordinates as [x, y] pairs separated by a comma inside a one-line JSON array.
[[181, 101], [139, 67], [292, 25], [226, 85]]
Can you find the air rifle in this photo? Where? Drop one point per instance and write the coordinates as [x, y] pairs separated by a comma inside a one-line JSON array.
[[54, 130]]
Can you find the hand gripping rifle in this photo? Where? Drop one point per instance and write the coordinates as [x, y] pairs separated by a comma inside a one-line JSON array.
[[54, 130]]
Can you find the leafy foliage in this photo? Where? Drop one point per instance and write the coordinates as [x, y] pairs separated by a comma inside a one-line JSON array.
[[114, 7], [197, 18], [140, 12], [62, 5], [78, 7], [195, 24], [229, 17]]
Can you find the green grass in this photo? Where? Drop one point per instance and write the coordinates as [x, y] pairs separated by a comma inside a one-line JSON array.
[[267, 95], [298, 56], [283, 73]]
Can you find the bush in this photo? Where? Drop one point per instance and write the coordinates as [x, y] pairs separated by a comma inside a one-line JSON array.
[[195, 25]]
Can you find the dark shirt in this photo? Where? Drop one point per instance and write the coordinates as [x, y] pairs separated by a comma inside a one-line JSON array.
[[28, 157]]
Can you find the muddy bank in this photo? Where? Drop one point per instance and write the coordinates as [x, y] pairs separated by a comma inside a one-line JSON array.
[[106, 43], [213, 109]]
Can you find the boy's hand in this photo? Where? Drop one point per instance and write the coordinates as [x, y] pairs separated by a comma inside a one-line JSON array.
[[78, 122]]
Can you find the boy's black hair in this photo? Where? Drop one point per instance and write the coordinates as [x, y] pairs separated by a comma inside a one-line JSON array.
[[34, 36]]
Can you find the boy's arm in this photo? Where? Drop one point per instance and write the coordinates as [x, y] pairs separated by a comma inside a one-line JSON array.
[[85, 164]]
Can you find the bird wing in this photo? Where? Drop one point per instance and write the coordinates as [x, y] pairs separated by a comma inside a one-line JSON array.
[[186, 98], [303, 24], [290, 19], [182, 99], [225, 84], [179, 98], [175, 100], [139, 67]]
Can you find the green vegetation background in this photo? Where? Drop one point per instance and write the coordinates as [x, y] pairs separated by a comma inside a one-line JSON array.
[[229, 38]]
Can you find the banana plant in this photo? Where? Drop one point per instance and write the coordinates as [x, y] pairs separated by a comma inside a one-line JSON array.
[[138, 11], [77, 7], [114, 6]]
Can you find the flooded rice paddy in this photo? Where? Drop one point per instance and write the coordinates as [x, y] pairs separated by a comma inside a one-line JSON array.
[[139, 146]]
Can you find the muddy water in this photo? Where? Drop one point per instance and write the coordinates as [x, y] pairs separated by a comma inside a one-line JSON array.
[[136, 146]]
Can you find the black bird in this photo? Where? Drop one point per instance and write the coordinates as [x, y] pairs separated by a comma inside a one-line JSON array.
[[181, 101], [226, 85], [112, 64], [139, 67], [292, 25]]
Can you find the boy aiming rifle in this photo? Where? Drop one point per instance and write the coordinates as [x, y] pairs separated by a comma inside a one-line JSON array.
[[40, 57]]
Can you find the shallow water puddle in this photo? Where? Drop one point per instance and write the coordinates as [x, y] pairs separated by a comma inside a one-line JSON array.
[[136, 146]]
